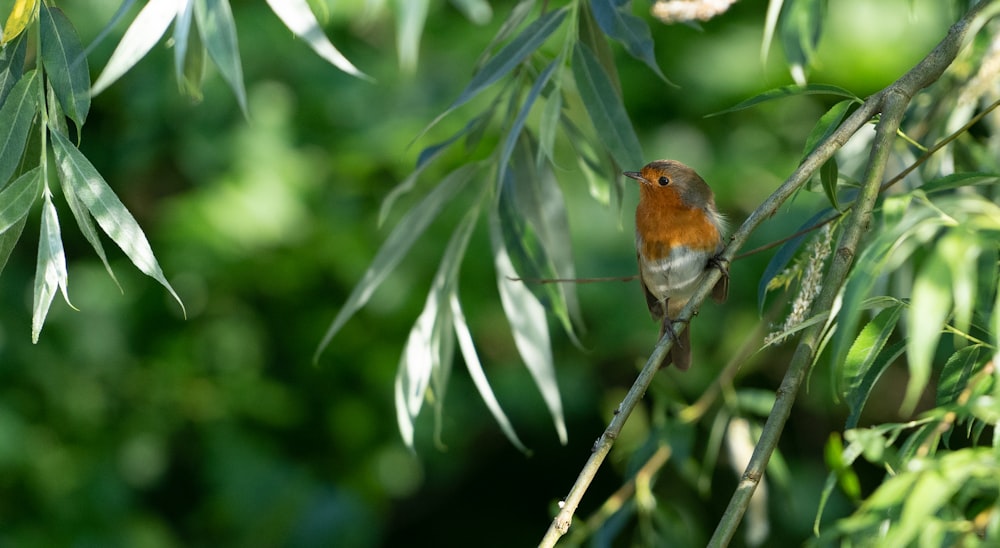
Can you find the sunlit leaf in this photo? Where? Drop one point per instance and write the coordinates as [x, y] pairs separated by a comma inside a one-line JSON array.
[[770, 23], [929, 307], [11, 66], [955, 374], [514, 20], [144, 32], [17, 198], [861, 386], [960, 251], [189, 53], [50, 272], [606, 109], [411, 15], [616, 20], [529, 326], [15, 119], [477, 11], [80, 213], [788, 91], [65, 66], [299, 18], [510, 56], [548, 126], [20, 15], [77, 173], [218, 33], [799, 30], [399, 242], [827, 124], [475, 368]]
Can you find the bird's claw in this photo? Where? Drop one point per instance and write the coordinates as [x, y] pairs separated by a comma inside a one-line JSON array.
[[721, 263]]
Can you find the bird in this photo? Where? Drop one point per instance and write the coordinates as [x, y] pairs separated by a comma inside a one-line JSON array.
[[678, 236]]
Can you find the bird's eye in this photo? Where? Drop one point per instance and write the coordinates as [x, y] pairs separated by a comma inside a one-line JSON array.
[[664, 181]]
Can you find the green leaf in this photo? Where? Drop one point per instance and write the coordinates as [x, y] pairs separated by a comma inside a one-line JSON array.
[[529, 326], [50, 273], [218, 33], [144, 32], [299, 18], [616, 20], [16, 200], [16, 115], [83, 180], [515, 129], [959, 180], [65, 65], [960, 251], [770, 23], [828, 176], [929, 307], [191, 59], [827, 124], [399, 242], [605, 109], [955, 375], [510, 56], [862, 388], [79, 210], [866, 348], [549, 124], [788, 91], [800, 26], [477, 11], [411, 15], [8, 239], [11, 65]]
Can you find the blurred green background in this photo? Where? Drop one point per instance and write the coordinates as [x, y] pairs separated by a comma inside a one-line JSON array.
[[127, 425]]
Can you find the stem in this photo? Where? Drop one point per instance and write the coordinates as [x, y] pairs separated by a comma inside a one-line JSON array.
[[892, 101]]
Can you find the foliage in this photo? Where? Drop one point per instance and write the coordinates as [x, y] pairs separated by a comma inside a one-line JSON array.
[[546, 118]]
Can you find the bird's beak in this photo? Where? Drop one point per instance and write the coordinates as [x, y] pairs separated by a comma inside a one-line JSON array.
[[636, 175]]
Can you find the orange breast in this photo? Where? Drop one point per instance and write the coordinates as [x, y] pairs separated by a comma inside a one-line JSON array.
[[666, 223]]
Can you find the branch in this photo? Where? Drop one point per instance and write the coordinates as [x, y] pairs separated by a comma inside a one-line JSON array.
[[894, 100]]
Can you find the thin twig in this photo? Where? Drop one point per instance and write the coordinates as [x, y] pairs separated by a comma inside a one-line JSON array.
[[896, 97]]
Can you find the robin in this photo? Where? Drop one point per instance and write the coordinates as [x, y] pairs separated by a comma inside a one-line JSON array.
[[678, 235]]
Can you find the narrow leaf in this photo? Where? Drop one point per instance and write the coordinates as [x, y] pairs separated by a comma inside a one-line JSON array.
[[770, 23], [955, 375], [144, 32], [299, 18], [65, 66], [477, 11], [827, 124], [15, 119], [82, 216], [410, 18], [863, 353], [8, 239], [800, 26], [515, 129], [959, 180], [399, 242], [20, 15], [828, 176], [111, 215], [50, 272], [182, 34], [218, 32], [11, 66], [475, 368], [528, 324], [605, 109], [929, 307], [788, 91], [510, 56], [616, 20], [16, 200], [961, 251]]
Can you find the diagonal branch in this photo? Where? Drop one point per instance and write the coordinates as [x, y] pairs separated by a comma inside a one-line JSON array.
[[891, 102]]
